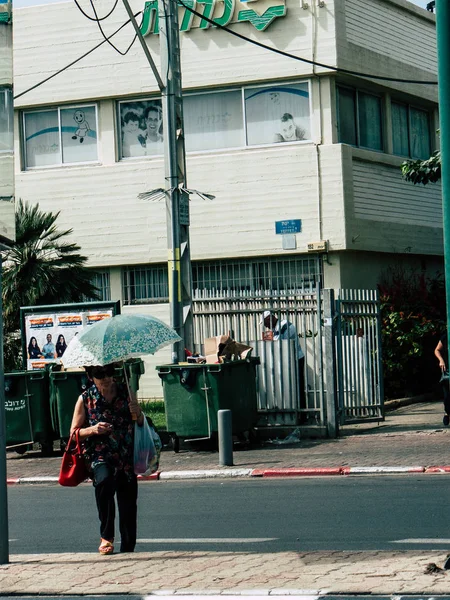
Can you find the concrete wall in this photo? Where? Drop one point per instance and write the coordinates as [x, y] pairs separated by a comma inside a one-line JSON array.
[[385, 213], [44, 43], [365, 270], [394, 38]]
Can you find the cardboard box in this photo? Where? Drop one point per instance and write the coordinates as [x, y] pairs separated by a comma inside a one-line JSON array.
[[222, 347], [235, 351], [213, 346]]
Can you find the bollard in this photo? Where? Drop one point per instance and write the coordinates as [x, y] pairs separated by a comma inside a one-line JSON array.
[[225, 438]]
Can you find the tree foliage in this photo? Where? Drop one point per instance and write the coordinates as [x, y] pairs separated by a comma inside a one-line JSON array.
[[423, 171], [413, 314], [42, 266]]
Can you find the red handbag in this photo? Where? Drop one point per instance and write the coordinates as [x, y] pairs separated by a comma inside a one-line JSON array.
[[73, 468]]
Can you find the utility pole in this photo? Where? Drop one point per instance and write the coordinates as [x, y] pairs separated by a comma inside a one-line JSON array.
[[4, 538], [177, 200], [7, 180], [443, 48]]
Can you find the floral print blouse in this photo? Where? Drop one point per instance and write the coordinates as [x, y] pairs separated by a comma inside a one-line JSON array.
[[115, 449]]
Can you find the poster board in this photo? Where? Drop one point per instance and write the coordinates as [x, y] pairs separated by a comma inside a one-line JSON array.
[[47, 330]]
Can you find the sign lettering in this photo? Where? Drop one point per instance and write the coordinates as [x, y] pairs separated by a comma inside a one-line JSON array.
[[14, 405], [221, 12], [288, 227]]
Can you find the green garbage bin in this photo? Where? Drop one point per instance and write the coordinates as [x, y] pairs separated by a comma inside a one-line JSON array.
[[27, 410], [66, 387], [194, 393]]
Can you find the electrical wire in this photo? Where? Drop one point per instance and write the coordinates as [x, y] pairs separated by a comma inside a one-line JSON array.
[[105, 37], [97, 19], [33, 87], [305, 60], [236, 34]]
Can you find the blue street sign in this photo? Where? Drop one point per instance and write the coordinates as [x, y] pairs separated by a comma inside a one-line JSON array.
[[289, 226]]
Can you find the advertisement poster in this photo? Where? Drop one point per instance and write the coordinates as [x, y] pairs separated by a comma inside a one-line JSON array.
[[142, 129], [48, 335]]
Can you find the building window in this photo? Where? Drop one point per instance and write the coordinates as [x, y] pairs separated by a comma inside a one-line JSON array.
[[6, 120], [145, 284], [141, 130], [101, 280], [261, 277], [60, 136], [359, 119], [264, 278], [277, 114], [222, 119], [213, 121], [410, 131]]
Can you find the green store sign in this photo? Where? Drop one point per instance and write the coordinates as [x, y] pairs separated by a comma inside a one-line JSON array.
[[5, 11], [221, 12]]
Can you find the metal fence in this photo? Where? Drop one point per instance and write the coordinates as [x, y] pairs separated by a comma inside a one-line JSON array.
[[359, 366], [302, 391], [290, 390]]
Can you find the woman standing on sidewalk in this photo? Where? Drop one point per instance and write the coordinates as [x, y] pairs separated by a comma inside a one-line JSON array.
[[441, 353], [103, 415]]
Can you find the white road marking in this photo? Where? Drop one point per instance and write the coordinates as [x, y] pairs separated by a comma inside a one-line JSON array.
[[423, 541], [204, 540]]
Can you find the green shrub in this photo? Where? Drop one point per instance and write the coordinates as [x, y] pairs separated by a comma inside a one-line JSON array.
[[156, 411], [412, 318]]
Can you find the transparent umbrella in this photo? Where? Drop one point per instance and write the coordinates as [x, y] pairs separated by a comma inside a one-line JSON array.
[[118, 338]]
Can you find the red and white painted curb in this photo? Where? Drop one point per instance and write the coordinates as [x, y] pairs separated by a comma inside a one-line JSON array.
[[230, 472]]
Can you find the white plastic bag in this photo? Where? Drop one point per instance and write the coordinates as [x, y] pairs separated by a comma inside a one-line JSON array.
[[147, 449]]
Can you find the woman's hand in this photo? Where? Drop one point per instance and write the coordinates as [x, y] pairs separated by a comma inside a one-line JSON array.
[[101, 428], [135, 409]]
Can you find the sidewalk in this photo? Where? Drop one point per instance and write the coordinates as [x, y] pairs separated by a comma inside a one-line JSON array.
[[411, 436], [240, 573]]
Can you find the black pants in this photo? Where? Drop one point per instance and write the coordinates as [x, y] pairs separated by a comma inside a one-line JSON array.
[[107, 485]]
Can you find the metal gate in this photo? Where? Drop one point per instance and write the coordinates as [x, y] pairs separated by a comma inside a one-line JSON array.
[[359, 364], [335, 379], [290, 390]]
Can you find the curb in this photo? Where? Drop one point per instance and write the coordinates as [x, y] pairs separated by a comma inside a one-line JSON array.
[[390, 405], [276, 593], [228, 473]]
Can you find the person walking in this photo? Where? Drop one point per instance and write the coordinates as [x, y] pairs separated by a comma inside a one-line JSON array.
[[441, 353], [103, 415]]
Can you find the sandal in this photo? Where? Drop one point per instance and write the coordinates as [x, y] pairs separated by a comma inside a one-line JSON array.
[[106, 547]]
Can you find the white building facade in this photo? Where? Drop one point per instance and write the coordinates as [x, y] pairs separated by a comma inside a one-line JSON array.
[[273, 138]]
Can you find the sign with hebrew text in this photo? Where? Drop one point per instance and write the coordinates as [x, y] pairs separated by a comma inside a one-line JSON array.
[[259, 13]]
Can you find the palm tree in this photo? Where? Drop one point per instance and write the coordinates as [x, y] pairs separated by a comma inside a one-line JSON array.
[[42, 267]]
